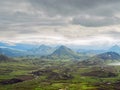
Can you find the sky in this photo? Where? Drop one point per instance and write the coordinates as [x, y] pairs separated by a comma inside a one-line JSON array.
[[78, 22]]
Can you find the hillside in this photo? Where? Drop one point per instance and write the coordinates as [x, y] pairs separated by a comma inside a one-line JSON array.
[[64, 52], [109, 56], [4, 58], [115, 48], [101, 59], [12, 52], [42, 50]]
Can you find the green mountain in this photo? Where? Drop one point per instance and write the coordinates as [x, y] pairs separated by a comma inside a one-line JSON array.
[[101, 59], [12, 52], [109, 56], [115, 48], [4, 58], [64, 52], [42, 50]]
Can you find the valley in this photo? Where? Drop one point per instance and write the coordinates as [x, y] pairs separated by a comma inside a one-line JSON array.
[[64, 69], [59, 44], [56, 74]]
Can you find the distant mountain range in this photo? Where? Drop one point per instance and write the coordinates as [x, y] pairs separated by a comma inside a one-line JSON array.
[[12, 52], [25, 49], [18, 46], [89, 57], [42, 50], [114, 48], [50, 50], [90, 52]]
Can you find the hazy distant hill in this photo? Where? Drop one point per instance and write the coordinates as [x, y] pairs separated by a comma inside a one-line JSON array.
[[19, 46], [11, 52], [102, 58], [109, 56], [42, 50], [4, 58], [90, 52], [25, 49], [115, 48], [64, 52]]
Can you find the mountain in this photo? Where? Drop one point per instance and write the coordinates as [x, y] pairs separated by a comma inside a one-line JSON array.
[[115, 48], [4, 58], [64, 52], [22, 46], [3, 44], [11, 52], [19, 46], [42, 50], [90, 52], [25, 49], [101, 59], [109, 56]]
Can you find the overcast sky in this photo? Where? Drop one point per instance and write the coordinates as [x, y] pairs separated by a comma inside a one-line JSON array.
[[79, 22]]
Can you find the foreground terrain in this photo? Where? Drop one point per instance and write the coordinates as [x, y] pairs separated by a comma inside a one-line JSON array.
[[64, 74]]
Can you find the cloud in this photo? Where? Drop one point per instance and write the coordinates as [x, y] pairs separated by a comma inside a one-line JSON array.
[[77, 10], [67, 7], [93, 21], [81, 22]]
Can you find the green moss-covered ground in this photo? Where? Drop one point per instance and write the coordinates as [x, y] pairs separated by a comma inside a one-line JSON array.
[[57, 75]]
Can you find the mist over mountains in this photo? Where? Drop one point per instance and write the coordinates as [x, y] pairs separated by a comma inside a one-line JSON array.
[[51, 50]]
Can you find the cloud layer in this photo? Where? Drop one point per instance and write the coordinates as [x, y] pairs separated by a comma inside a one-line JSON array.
[[81, 22]]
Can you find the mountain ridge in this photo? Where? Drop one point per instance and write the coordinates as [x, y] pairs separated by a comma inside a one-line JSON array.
[[64, 52]]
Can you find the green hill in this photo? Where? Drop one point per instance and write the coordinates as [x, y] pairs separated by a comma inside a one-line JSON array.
[[64, 52], [101, 59], [4, 58]]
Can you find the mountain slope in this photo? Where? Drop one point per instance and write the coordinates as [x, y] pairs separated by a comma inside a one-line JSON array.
[[42, 50], [11, 52], [115, 48], [90, 52], [4, 58], [102, 59], [19, 46], [109, 56], [64, 52]]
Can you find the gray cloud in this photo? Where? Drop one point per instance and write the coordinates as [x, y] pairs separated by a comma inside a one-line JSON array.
[[71, 6], [74, 8], [112, 33], [25, 11], [93, 21], [80, 21]]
